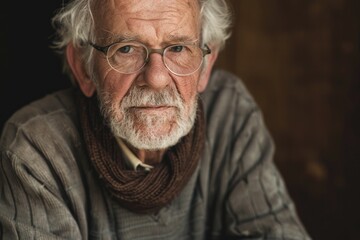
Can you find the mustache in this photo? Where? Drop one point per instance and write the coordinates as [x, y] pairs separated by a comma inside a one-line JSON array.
[[138, 97]]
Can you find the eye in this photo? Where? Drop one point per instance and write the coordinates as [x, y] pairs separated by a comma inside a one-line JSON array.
[[126, 49], [177, 48]]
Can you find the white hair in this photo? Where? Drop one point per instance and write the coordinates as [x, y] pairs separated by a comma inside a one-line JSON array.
[[74, 24]]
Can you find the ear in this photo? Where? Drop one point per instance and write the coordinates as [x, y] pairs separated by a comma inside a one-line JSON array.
[[206, 71], [86, 85]]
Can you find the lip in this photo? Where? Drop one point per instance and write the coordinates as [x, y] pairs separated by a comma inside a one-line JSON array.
[[152, 108]]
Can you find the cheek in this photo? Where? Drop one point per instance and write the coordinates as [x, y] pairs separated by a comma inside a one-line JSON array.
[[114, 84], [189, 93], [112, 89], [101, 65], [192, 85], [188, 89]]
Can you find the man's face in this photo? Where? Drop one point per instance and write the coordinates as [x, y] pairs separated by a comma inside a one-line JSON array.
[[151, 108]]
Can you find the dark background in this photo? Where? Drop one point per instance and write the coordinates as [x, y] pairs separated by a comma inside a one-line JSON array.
[[299, 58]]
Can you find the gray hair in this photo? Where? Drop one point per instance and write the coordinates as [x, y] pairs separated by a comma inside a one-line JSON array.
[[74, 24]]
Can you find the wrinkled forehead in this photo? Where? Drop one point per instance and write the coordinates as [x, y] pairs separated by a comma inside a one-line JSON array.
[[160, 19]]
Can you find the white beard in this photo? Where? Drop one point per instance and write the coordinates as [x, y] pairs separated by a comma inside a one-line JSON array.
[[140, 129]]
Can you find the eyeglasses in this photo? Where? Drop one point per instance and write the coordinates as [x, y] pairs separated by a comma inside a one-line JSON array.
[[130, 57]]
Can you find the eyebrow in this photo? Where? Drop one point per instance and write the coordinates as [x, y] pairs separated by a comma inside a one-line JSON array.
[[181, 38], [121, 38], [170, 39]]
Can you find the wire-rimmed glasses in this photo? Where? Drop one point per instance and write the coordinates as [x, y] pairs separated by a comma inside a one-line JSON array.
[[130, 57]]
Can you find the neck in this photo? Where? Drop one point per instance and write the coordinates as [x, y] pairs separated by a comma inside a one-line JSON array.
[[151, 157]]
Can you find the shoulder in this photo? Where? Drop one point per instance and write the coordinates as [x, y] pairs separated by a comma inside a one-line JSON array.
[[227, 100], [61, 100], [226, 93], [40, 121], [41, 147], [222, 81], [233, 118]]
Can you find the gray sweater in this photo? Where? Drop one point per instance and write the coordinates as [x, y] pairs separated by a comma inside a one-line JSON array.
[[48, 189]]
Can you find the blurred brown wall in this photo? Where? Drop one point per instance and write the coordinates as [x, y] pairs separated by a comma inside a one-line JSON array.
[[300, 59]]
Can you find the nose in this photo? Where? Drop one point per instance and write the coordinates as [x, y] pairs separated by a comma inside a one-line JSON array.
[[155, 74]]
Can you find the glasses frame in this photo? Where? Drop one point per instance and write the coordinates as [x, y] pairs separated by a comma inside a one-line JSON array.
[[104, 49]]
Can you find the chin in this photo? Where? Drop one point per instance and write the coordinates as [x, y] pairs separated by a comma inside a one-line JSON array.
[[151, 136]]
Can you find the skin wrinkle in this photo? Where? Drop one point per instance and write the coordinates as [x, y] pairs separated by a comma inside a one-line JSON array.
[[175, 21], [132, 23], [167, 19]]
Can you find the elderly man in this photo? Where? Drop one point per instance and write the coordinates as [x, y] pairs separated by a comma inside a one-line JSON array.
[[150, 143]]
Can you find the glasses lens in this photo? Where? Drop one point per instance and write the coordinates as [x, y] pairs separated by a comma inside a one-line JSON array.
[[183, 59], [126, 57], [131, 57]]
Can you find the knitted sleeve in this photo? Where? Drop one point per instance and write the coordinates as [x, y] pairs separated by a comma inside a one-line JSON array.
[[28, 208], [41, 190]]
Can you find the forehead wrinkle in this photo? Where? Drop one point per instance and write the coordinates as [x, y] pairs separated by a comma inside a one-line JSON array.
[[172, 23], [170, 19], [172, 13], [147, 8]]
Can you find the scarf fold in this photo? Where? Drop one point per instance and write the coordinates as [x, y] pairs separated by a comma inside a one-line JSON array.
[[139, 191]]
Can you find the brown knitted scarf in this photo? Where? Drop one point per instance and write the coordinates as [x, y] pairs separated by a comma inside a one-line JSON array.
[[139, 191]]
